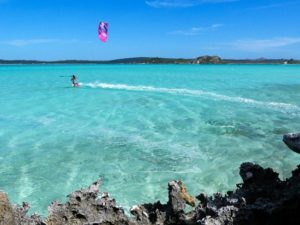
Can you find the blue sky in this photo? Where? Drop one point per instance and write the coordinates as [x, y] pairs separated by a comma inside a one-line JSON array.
[[67, 29]]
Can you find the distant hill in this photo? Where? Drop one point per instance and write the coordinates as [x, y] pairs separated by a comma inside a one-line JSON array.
[[208, 60], [156, 60], [137, 60]]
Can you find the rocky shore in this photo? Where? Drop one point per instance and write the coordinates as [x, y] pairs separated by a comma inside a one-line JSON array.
[[262, 198]]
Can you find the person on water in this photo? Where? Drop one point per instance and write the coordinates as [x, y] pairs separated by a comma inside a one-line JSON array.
[[74, 81]]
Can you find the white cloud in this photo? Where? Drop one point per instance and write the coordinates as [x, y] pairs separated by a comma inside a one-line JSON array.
[[264, 44], [182, 3], [25, 42], [196, 30], [268, 6], [216, 25], [278, 5]]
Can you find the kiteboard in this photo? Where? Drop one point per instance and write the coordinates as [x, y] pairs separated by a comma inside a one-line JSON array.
[[76, 84], [292, 140]]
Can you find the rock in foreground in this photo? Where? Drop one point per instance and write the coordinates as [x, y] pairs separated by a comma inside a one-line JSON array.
[[262, 198], [292, 140]]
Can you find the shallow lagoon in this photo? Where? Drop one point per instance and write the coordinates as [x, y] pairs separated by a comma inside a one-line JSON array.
[[139, 126]]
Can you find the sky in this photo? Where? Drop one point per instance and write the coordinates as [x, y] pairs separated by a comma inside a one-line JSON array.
[[67, 29]]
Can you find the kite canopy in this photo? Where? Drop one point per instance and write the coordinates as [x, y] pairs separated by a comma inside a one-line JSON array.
[[102, 31]]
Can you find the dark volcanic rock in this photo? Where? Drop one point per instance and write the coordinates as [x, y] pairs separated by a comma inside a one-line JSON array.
[[84, 207], [261, 199], [292, 140], [269, 200]]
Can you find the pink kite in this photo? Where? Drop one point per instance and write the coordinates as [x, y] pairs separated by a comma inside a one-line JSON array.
[[102, 31]]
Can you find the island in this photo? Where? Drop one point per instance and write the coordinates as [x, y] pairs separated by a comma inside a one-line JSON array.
[[158, 60]]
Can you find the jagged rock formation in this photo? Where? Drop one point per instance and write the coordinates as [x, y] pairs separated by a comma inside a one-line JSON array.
[[84, 207], [262, 199]]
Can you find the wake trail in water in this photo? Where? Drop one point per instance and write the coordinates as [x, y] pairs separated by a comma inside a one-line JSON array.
[[279, 106]]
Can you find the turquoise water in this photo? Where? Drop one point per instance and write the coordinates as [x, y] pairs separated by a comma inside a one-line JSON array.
[[139, 126]]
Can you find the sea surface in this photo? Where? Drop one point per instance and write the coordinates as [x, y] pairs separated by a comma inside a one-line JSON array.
[[139, 126]]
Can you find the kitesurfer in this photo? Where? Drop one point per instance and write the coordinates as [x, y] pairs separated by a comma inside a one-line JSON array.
[[74, 81]]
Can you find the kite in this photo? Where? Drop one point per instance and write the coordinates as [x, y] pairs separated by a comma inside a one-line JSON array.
[[102, 31]]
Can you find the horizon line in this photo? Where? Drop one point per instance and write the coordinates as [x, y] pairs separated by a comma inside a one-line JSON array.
[[150, 57]]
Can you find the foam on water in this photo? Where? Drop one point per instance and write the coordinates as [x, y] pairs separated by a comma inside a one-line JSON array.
[[283, 107]]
